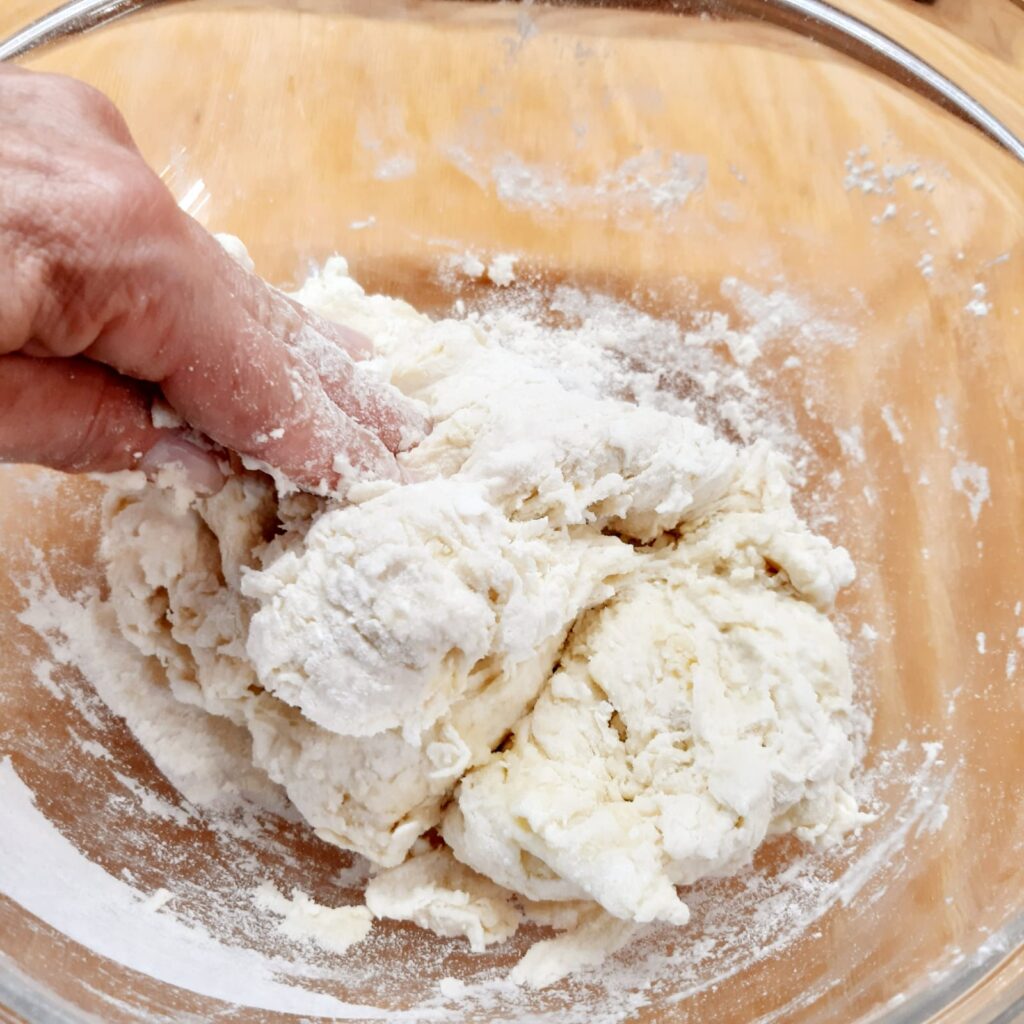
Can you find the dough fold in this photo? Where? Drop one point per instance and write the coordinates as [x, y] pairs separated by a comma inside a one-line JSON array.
[[587, 642]]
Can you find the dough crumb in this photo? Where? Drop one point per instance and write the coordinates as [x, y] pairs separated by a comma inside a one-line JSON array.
[[435, 891], [332, 929], [595, 938], [158, 899], [501, 270]]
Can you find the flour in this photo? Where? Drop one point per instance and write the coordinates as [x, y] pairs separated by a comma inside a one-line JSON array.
[[470, 265], [851, 443], [158, 900], [651, 183], [892, 424], [89, 906], [432, 889], [334, 929], [978, 305], [967, 477], [879, 176], [601, 347], [971, 480], [889, 213], [586, 642], [500, 270]]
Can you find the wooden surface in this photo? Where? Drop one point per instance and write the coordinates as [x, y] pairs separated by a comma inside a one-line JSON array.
[[979, 45], [653, 158]]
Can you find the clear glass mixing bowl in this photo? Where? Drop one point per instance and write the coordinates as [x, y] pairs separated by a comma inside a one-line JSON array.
[[650, 151]]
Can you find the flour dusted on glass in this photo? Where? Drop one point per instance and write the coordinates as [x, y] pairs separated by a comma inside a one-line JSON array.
[[585, 645], [739, 921]]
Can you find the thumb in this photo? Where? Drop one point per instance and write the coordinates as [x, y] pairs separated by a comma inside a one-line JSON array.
[[76, 416]]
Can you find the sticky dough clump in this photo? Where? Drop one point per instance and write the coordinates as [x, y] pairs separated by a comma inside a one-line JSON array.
[[588, 644]]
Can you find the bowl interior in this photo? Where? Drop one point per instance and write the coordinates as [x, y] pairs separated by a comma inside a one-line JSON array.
[[869, 243]]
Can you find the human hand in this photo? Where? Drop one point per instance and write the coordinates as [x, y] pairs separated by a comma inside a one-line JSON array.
[[111, 296]]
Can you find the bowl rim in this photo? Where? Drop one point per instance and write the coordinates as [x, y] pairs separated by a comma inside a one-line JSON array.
[[815, 19], [1002, 964]]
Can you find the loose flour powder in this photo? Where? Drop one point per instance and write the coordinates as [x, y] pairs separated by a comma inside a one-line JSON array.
[[584, 650]]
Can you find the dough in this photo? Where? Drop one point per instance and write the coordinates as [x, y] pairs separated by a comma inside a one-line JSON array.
[[587, 642], [697, 712], [435, 891], [334, 929]]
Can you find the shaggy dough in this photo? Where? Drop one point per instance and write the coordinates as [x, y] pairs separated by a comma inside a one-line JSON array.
[[435, 891], [587, 642], [697, 712]]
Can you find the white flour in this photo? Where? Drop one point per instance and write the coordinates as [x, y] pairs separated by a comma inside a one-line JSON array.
[[616, 350], [192, 941], [586, 642], [979, 304], [651, 183]]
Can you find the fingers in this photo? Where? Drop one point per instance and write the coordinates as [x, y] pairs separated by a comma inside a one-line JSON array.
[[273, 408], [72, 415], [354, 343], [241, 362], [105, 266], [252, 376], [203, 472], [365, 398]]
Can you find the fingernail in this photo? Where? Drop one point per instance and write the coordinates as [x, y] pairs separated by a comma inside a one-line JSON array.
[[200, 468]]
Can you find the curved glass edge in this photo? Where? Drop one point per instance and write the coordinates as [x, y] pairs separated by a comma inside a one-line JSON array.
[[813, 18], [958, 984], [25, 997], [68, 19], [860, 41]]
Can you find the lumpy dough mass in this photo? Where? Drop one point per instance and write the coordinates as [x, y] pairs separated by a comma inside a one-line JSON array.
[[587, 643]]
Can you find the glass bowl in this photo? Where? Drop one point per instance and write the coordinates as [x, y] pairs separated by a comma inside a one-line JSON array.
[[780, 163]]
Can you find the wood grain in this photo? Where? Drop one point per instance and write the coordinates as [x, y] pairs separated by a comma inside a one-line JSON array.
[[652, 158]]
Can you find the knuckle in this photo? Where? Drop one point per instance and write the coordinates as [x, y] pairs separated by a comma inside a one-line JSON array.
[[126, 200], [90, 102], [20, 301], [87, 260], [73, 109], [104, 422]]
